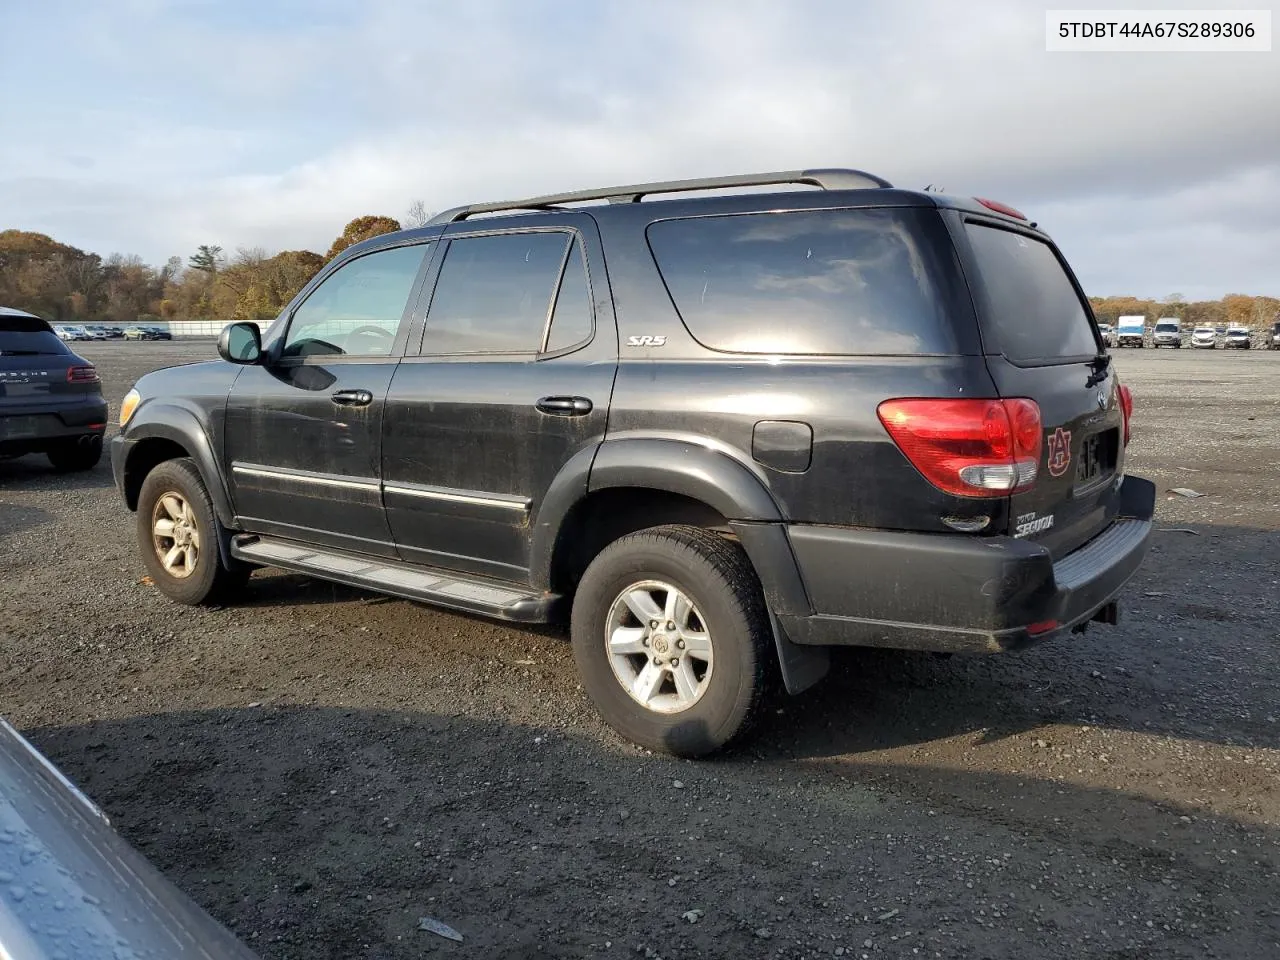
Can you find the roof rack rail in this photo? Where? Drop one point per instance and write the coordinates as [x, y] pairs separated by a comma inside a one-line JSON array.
[[827, 179]]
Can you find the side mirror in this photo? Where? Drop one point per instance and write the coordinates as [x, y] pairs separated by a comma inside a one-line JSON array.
[[240, 343]]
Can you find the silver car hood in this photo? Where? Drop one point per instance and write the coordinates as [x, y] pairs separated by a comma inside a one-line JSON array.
[[71, 887]]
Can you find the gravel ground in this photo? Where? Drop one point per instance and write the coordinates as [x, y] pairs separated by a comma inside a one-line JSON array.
[[321, 767]]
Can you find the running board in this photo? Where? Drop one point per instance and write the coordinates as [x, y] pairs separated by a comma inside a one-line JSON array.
[[457, 591]]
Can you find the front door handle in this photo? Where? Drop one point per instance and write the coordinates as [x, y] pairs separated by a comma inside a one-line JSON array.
[[352, 398], [565, 406]]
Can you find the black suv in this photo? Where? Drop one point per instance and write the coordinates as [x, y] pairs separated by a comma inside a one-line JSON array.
[[50, 398], [719, 434]]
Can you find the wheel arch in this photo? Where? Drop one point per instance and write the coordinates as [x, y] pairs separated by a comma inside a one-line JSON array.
[[166, 433], [629, 485]]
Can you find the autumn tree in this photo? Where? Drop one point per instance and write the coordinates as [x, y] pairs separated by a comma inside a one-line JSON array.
[[362, 228]]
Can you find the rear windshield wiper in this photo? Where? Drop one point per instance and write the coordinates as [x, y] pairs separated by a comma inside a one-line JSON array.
[[1100, 364]]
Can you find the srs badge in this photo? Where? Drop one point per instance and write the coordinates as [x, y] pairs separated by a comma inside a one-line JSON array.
[[1059, 452]]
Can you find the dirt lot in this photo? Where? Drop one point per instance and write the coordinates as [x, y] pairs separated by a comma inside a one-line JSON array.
[[321, 767]]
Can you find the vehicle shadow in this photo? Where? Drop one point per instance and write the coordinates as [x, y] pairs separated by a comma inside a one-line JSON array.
[[33, 472], [1185, 661], [323, 832]]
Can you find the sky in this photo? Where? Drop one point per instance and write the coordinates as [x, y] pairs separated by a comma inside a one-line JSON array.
[[152, 126]]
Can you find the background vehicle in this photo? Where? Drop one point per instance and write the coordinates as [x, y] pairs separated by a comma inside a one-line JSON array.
[[1275, 335], [71, 332], [83, 892], [50, 399], [137, 332], [103, 332], [1108, 334], [1237, 338], [1131, 332], [1168, 333], [1204, 338], [704, 517]]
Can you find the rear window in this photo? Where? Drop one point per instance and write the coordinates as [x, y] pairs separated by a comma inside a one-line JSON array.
[[1032, 308], [840, 282], [28, 336]]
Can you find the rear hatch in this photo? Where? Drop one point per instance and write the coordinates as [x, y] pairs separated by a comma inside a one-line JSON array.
[[1041, 343], [34, 365]]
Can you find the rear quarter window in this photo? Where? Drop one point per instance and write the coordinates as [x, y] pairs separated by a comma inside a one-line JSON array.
[[833, 282], [1031, 308]]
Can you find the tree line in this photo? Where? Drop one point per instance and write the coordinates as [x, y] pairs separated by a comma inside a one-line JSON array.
[[1234, 308], [63, 283]]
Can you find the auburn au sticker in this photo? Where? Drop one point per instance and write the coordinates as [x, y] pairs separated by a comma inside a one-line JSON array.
[[1059, 451]]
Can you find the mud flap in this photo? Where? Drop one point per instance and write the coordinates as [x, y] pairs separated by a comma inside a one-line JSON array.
[[801, 666]]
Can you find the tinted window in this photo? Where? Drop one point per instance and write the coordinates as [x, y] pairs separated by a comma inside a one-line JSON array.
[[28, 336], [494, 294], [821, 282], [357, 310], [571, 320], [1032, 307]]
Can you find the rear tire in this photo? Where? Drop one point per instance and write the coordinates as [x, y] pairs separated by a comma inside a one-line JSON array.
[[178, 537], [689, 675], [75, 455]]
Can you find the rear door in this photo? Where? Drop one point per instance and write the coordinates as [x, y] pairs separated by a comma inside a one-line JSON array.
[[512, 380], [1041, 343]]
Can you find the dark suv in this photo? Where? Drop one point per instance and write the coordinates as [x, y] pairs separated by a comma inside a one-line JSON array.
[[50, 398], [719, 434]]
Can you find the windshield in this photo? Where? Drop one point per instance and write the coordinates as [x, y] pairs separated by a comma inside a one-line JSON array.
[[28, 336], [1166, 328], [1205, 330]]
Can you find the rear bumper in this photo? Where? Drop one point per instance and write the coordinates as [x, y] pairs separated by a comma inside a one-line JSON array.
[[954, 593], [34, 427]]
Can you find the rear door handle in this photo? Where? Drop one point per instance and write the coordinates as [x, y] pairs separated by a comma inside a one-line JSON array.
[[565, 406], [352, 398]]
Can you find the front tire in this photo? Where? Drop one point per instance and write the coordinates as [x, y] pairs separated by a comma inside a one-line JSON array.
[[76, 455], [672, 639], [178, 537]]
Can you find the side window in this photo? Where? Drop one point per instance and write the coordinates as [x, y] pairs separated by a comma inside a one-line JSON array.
[[571, 320], [357, 310], [840, 282], [494, 294]]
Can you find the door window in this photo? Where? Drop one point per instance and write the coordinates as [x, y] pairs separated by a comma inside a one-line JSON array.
[[495, 293], [358, 309]]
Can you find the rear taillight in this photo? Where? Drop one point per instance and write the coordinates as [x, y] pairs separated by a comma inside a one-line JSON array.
[[971, 448], [1126, 407], [87, 374]]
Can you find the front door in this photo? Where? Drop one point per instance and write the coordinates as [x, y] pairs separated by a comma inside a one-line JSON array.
[[512, 380], [304, 430]]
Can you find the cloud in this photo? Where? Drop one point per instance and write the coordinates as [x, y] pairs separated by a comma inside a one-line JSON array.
[[1155, 172]]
